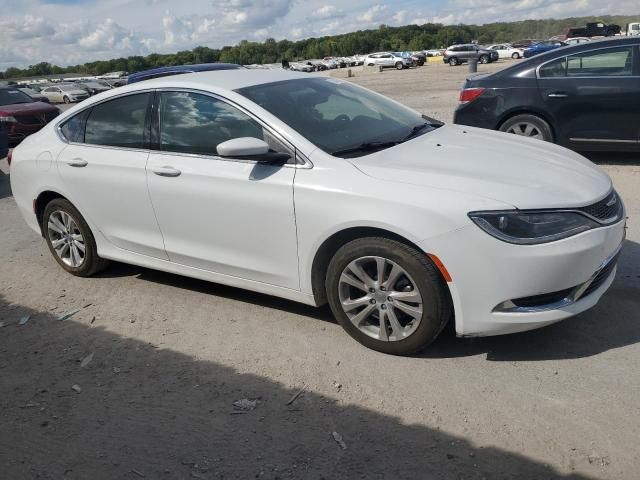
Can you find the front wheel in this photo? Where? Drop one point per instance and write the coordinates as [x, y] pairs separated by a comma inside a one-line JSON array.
[[528, 125], [515, 56], [399, 66], [484, 59], [66, 99], [387, 295], [453, 61], [70, 239]]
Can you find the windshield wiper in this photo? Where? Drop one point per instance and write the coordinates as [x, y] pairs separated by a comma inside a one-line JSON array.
[[365, 147], [415, 130]]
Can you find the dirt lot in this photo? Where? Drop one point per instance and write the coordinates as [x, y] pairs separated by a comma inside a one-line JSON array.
[[141, 381]]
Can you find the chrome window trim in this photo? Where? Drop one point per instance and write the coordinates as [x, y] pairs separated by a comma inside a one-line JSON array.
[[297, 154], [633, 50]]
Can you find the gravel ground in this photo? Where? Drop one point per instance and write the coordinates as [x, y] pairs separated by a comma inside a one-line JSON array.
[[141, 381]]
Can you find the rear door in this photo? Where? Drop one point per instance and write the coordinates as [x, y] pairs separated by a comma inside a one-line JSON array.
[[593, 97], [104, 172]]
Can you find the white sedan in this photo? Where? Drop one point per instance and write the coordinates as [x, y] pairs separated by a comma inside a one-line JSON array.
[[317, 190], [64, 93], [507, 51]]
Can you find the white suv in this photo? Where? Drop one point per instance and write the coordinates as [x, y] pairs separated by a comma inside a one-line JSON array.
[[387, 59]]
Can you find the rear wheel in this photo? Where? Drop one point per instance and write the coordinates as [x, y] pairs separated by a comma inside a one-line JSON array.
[[70, 239], [530, 126], [453, 61], [387, 295]]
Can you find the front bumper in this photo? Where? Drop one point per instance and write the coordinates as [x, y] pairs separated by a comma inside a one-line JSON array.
[[488, 275]]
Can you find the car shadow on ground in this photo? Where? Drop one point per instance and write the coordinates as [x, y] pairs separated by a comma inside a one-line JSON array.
[[613, 158], [590, 333], [130, 410], [5, 185]]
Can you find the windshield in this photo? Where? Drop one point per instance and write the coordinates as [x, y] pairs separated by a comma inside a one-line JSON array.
[[68, 88], [341, 118], [13, 96]]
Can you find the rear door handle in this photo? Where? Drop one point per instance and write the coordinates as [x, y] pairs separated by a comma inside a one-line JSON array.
[[77, 162], [558, 95], [167, 171]]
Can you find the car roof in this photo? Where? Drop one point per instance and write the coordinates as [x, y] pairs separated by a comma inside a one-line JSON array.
[[198, 67]]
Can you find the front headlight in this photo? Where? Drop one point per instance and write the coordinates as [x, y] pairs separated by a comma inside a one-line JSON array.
[[7, 119], [530, 228]]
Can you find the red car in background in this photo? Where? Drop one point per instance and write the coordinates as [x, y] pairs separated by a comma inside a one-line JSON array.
[[21, 116]]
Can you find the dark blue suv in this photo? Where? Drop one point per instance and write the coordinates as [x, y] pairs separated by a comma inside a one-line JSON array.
[[179, 69]]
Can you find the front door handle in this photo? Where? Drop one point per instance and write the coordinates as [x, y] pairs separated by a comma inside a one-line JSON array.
[[167, 171], [558, 95], [77, 162]]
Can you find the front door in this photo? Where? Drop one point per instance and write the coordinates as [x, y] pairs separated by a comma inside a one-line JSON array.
[[229, 216], [593, 97], [104, 170]]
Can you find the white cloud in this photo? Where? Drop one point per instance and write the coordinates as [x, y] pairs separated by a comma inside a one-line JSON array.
[[87, 30], [326, 11], [374, 13]]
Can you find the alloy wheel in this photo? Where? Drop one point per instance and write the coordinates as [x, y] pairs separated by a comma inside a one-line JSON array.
[[66, 239], [380, 298], [526, 129]]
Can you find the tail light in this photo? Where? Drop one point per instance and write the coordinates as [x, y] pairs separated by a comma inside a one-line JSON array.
[[9, 156], [470, 94]]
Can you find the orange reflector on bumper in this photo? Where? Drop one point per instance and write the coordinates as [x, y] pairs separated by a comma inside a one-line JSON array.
[[441, 267]]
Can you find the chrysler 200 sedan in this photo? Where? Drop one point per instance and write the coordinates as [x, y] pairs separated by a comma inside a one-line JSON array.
[[317, 190]]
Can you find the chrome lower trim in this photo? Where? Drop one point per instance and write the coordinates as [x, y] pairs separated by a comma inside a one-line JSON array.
[[575, 295], [603, 140]]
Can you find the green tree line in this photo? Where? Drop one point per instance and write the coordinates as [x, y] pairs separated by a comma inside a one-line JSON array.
[[409, 37]]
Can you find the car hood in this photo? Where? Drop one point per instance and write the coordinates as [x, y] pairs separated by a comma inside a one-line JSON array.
[[522, 172], [26, 108]]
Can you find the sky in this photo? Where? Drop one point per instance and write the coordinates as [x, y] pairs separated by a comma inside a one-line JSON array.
[[67, 32]]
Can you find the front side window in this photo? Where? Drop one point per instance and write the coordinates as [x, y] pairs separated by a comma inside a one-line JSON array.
[[195, 123], [601, 63], [119, 122], [336, 115]]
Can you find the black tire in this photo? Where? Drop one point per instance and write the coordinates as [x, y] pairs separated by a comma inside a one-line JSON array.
[[437, 308], [92, 263], [453, 61], [540, 124], [65, 99], [515, 56], [370, 64], [399, 65], [484, 59]]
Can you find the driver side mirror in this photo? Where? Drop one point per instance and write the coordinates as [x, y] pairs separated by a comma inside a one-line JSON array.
[[250, 148]]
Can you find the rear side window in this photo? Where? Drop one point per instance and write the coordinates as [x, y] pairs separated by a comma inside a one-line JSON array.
[[119, 122], [556, 68], [73, 129], [601, 63], [194, 123]]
